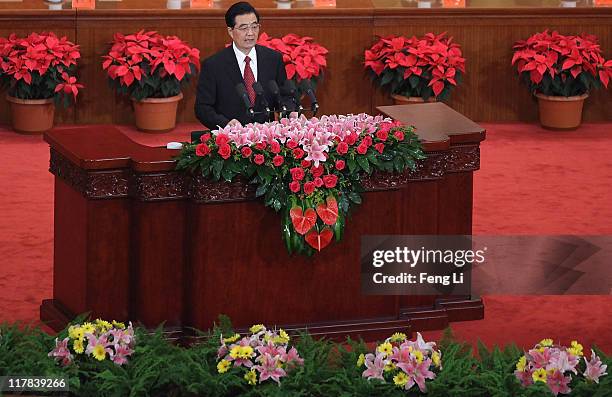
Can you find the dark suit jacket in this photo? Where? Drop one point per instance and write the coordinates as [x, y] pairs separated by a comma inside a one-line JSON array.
[[217, 101]]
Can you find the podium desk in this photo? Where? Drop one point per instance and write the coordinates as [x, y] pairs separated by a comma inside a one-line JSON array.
[[136, 240]]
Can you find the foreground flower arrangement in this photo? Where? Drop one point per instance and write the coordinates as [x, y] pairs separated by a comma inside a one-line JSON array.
[[99, 340], [406, 363], [309, 170], [260, 356], [554, 365]]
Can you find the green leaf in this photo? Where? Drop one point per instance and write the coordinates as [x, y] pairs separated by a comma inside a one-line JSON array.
[[261, 190], [354, 197], [352, 165], [363, 163]]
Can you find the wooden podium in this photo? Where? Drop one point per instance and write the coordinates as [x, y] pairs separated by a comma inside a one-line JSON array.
[[136, 240]]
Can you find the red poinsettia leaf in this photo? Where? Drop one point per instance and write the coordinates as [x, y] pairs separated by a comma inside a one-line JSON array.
[[568, 64], [302, 221], [604, 77], [321, 240]]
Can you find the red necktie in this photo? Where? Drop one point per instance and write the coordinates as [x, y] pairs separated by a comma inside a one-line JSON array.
[[249, 79]]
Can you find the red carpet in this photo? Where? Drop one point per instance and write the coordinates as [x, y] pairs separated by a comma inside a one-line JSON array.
[[531, 181]]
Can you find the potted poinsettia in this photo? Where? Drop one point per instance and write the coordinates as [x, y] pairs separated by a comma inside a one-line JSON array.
[[303, 58], [150, 69], [416, 69], [39, 71], [560, 71]]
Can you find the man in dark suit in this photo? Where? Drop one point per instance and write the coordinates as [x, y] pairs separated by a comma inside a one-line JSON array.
[[217, 101]]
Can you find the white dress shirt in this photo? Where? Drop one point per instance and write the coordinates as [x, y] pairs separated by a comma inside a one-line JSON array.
[[240, 58]]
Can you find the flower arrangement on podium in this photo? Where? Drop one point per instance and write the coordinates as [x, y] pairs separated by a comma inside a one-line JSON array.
[[260, 356], [303, 58], [99, 340], [420, 68], [561, 71], [309, 170], [40, 71], [150, 69], [404, 362], [553, 365]]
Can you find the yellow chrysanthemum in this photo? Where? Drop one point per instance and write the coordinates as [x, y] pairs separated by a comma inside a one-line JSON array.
[[78, 346], [360, 360], [400, 379], [103, 325], [386, 348], [223, 366], [251, 377], [117, 324], [389, 367], [241, 352], [546, 342], [418, 355], [98, 352], [284, 335], [435, 358], [257, 328], [76, 332], [267, 337], [521, 364], [398, 337], [88, 328], [541, 349], [232, 338], [576, 349], [539, 375]]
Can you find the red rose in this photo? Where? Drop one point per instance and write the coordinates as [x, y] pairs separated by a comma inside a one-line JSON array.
[[278, 160], [298, 153], [246, 151], [367, 140], [260, 146], [309, 187], [380, 147], [399, 135], [330, 180], [225, 151], [291, 144], [318, 182], [222, 139], [294, 186], [317, 171], [340, 165], [342, 148], [362, 148], [297, 173], [306, 163], [382, 135], [202, 150], [259, 159], [275, 147], [205, 137], [351, 139]]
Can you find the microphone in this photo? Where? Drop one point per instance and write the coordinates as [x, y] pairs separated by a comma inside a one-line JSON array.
[[259, 91], [306, 87], [242, 93], [280, 106], [289, 89]]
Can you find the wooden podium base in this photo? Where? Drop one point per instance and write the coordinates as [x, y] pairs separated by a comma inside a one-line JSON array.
[[56, 316]]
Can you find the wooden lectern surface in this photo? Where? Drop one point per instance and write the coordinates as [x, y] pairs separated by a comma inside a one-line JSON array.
[[136, 240]]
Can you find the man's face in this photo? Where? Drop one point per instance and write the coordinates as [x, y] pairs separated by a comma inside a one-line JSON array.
[[245, 32]]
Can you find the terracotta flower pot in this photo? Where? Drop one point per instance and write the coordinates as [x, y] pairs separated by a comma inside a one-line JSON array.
[[560, 113], [156, 114], [409, 100], [31, 116]]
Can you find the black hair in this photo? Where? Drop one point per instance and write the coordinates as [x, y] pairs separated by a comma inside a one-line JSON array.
[[240, 8]]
